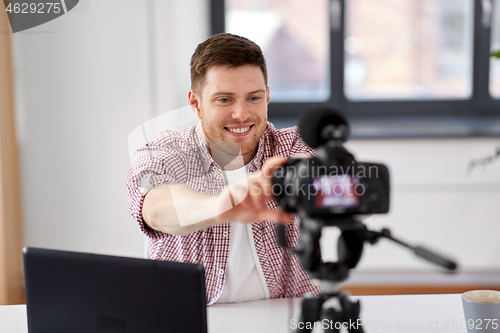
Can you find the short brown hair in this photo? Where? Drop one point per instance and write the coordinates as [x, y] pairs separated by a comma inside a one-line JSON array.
[[224, 49]]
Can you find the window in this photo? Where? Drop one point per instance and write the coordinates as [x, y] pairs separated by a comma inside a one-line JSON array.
[[288, 37], [413, 50], [376, 60]]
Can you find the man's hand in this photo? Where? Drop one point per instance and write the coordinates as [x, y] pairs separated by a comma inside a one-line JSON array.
[[252, 194]]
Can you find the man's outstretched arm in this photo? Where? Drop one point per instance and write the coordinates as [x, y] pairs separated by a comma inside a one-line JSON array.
[[178, 210]]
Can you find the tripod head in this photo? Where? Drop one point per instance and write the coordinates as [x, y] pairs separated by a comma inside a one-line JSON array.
[[329, 189]]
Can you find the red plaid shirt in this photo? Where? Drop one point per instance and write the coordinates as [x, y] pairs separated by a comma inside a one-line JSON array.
[[182, 157]]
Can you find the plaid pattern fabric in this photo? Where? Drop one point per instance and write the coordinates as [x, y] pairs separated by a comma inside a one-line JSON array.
[[182, 157]]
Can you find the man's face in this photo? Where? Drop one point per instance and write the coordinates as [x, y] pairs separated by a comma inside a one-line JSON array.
[[233, 106]]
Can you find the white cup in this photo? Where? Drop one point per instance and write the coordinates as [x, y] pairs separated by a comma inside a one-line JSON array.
[[482, 310]]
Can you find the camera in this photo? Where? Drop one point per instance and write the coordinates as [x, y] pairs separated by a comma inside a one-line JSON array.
[[331, 184], [328, 189]]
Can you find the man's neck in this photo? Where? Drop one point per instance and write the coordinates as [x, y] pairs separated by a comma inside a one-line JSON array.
[[228, 154], [248, 157]]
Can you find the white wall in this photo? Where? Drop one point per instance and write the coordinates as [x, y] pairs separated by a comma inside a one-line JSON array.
[[83, 82], [436, 202]]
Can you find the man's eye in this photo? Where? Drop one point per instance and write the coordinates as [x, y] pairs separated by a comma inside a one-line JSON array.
[[254, 98], [223, 100]]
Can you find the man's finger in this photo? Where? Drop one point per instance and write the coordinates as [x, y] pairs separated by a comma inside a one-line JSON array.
[[274, 215], [256, 194]]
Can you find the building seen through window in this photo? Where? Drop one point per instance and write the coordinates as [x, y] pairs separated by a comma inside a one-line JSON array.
[[413, 49], [408, 49]]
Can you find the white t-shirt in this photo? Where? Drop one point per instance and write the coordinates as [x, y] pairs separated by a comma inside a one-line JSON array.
[[244, 278]]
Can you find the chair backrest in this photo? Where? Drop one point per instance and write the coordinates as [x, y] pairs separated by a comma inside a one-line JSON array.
[[148, 131]]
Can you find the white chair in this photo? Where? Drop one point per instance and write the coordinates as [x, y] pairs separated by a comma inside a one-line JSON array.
[[148, 131]]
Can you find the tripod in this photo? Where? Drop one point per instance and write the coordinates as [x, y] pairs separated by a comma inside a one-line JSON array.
[[333, 310]]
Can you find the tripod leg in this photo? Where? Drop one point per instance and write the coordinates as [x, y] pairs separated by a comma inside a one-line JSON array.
[[351, 312], [334, 320], [311, 310]]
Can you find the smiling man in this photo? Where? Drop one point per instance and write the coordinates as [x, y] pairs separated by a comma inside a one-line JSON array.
[[212, 199]]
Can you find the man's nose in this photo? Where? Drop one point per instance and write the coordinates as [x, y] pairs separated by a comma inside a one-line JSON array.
[[241, 112]]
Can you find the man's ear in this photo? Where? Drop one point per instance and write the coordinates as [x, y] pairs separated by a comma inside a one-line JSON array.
[[267, 95], [194, 102]]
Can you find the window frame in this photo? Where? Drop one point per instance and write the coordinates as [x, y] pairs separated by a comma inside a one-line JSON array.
[[479, 114]]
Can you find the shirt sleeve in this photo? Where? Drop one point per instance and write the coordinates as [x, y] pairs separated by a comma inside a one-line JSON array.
[[152, 166]]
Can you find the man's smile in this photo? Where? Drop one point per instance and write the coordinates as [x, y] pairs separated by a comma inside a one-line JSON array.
[[240, 130]]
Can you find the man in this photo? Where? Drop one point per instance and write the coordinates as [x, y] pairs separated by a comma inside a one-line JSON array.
[[191, 214]]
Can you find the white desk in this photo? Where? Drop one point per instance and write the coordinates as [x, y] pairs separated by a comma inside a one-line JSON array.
[[13, 319], [406, 314]]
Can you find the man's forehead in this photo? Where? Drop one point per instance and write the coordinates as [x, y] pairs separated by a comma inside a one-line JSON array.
[[230, 79]]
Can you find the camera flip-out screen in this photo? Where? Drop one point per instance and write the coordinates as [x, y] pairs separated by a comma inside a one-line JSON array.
[[336, 191]]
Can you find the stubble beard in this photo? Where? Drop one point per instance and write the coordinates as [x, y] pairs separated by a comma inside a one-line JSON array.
[[250, 146]]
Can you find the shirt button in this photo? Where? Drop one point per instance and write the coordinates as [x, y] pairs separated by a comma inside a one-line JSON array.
[[221, 271], [225, 234]]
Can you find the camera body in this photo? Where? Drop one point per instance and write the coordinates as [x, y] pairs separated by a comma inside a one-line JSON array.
[[331, 184]]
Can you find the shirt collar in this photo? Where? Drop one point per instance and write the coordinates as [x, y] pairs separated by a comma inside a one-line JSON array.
[[205, 157], [257, 161]]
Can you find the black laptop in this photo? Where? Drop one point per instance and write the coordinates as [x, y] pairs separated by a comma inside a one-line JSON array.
[[71, 292]]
